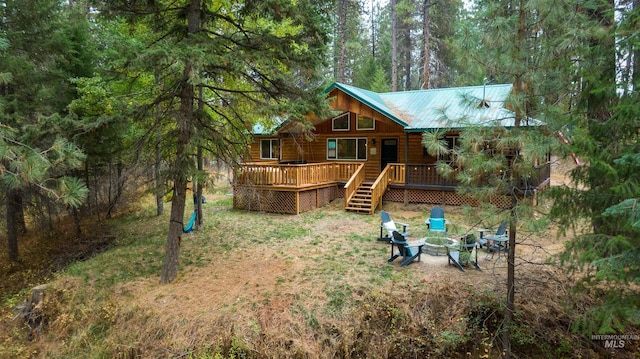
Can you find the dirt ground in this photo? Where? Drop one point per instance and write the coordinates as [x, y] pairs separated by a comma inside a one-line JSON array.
[[253, 289], [254, 272]]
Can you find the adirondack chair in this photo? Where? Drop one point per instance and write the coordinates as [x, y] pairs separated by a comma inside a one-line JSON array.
[[501, 234], [436, 221], [409, 251], [467, 244], [387, 226]]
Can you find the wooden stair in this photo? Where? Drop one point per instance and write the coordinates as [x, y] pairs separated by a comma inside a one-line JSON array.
[[360, 202]]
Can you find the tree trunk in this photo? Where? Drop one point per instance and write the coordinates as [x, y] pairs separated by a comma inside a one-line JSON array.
[[116, 187], [408, 45], [511, 280], [513, 220], [21, 223], [157, 165], [342, 18], [198, 184], [635, 58], [426, 36], [394, 47], [12, 204], [198, 204], [75, 213], [600, 90], [373, 29], [185, 131], [158, 177]]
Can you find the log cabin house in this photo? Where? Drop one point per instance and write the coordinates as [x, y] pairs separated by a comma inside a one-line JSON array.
[[370, 152]]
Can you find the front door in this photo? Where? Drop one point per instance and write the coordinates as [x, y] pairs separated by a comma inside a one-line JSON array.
[[388, 152]]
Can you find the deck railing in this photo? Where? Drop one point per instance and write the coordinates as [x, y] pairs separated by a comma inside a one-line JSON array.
[[297, 175], [353, 184], [300, 175], [427, 175], [396, 172], [418, 175], [379, 187], [423, 174]]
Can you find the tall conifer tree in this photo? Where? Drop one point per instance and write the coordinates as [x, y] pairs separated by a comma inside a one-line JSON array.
[[44, 46], [605, 137], [518, 42], [253, 60]]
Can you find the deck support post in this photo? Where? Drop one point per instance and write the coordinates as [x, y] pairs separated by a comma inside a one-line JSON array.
[[406, 167]]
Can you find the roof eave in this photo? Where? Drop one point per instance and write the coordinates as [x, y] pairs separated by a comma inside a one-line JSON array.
[[337, 85]]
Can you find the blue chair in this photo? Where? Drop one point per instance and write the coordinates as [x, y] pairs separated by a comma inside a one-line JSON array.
[[192, 221], [409, 251], [436, 221], [189, 227], [496, 242], [437, 212], [388, 225], [437, 225], [467, 244], [501, 234]]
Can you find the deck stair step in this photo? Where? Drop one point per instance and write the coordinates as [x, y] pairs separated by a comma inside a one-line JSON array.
[[360, 202]]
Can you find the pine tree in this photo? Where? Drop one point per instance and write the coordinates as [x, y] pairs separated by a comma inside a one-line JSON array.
[[518, 42], [349, 43], [253, 60], [44, 46], [604, 136]]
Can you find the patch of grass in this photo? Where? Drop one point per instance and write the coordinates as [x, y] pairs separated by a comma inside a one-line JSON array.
[[225, 202], [359, 238], [309, 316], [256, 284], [339, 297], [138, 258]]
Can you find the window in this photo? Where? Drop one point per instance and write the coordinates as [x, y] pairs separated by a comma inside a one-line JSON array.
[[270, 149], [341, 123], [452, 144], [347, 148], [452, 141], [365, 123]]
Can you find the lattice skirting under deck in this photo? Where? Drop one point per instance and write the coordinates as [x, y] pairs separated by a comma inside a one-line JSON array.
[[264, 200], [285, 201], [438, 197], [326, 195], [282, 201], [308, 200]]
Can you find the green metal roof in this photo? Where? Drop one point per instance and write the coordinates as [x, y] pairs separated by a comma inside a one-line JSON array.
[[424, 110], [370, 98], [268, 128]]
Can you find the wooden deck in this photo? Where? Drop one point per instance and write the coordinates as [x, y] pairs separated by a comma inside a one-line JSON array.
[[315, 184], [294, 175]]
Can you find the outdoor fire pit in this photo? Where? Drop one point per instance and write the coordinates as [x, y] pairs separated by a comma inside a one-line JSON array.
[[437, 246]]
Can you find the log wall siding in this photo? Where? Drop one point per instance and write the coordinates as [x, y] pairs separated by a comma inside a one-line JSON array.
[[254, 150], [342, 102], [297, 149], [316, 150]]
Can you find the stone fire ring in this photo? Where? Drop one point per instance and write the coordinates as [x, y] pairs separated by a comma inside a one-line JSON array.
[[439, 249]]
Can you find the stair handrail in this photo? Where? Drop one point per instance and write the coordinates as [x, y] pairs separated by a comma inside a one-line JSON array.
[[352, 185], [379, 187]]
